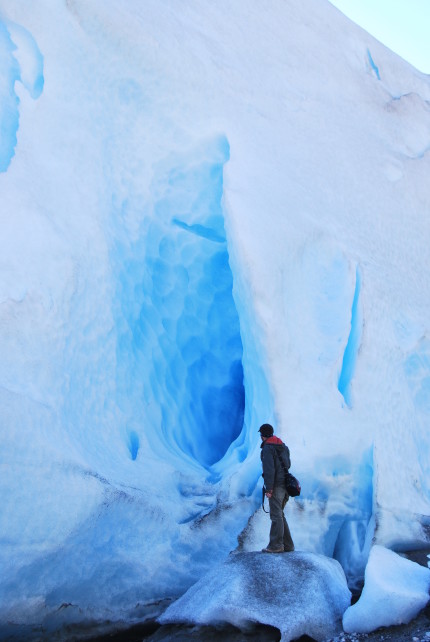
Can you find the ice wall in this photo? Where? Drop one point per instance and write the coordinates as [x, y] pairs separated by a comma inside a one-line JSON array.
[[212, 217]]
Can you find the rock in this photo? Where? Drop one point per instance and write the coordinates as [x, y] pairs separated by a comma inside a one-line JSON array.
[[299, 593], [421, 556]]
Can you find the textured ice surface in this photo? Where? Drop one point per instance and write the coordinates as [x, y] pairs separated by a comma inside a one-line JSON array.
[[299, 593], [180, 335], [215, 217], [395, 591]]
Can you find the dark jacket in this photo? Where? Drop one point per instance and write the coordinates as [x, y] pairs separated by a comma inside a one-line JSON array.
[[272, 451]]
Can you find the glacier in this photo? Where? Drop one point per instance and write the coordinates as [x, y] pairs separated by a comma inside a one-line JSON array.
[[212, 216]]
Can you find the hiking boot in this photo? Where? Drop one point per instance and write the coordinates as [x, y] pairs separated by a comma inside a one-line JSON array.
[[272, 550], [288, 550]]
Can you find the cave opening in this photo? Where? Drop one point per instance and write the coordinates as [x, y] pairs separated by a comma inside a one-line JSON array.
[[183, 327]]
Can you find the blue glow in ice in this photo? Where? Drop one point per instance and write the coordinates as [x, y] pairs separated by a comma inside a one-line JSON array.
[[134, 444], [38, 84], [354, 538], [182, 339], [29, 58], [373, 65], [9, 115], [21, 61], [352, 346], [201, 230]]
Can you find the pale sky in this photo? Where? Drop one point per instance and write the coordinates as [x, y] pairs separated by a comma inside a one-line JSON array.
[[401, 25]]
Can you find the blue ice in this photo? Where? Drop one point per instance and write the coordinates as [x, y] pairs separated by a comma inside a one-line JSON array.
[[352, 346], [201, 230], [13, 40], [373, 65], [134, 444], [9, 115], [354, 536], [181, 335]]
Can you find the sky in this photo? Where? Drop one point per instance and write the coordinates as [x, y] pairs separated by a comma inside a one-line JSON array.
[[401, 25]]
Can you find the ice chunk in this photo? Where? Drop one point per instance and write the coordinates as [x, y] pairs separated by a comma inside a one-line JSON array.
[[395, 591], [299, 593]]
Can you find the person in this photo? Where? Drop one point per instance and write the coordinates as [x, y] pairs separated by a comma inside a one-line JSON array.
[[275, 458]]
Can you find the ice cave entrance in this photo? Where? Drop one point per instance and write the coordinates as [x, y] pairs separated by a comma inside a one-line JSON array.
[[185, 336]]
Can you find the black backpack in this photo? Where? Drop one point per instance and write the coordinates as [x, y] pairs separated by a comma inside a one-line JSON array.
[[292, 483]]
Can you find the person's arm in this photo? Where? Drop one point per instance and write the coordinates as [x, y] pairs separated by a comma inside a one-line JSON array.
[[268, 470]]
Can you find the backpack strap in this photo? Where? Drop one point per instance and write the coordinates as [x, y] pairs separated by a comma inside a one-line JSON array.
[[282, 464], [280, 461], [292, 484]]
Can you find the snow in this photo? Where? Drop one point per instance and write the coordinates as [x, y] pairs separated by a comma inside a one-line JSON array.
[[395, 591], [213, 215], [299, 593]]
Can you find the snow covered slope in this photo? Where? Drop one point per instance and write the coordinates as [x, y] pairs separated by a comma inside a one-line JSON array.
[[213, 215]]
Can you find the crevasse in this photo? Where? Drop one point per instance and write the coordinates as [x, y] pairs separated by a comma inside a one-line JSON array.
[[352, 346]]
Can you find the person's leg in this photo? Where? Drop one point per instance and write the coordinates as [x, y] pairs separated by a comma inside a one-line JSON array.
[[287, 539], [277, 520]]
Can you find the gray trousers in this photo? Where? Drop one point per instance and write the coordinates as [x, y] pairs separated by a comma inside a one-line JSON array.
[[280, 536]]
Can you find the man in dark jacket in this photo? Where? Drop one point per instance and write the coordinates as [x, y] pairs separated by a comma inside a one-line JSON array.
[[275, 457]]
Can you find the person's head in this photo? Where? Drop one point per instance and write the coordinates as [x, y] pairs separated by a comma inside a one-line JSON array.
[[266, 431]]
